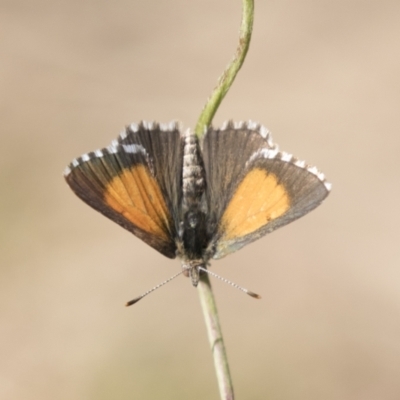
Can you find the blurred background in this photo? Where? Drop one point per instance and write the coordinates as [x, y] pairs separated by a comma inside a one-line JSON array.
[[324, 77]]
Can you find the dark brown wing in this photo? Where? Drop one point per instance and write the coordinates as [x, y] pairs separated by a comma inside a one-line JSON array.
[[135, 182], [253, 188]]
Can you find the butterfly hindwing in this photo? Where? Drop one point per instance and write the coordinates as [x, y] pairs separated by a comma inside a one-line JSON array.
[[263, 188], [128, 183]]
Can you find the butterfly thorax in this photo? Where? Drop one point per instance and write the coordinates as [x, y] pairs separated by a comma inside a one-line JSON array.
[[193, 227]]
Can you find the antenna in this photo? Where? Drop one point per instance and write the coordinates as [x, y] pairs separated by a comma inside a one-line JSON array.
[[135, 300], [252, 294]]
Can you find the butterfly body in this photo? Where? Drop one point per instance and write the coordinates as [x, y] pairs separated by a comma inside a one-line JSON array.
[[193, 237], [196, 200]]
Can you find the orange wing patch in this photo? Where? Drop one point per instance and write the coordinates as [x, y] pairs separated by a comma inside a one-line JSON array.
[[258, 200], [136, 195]]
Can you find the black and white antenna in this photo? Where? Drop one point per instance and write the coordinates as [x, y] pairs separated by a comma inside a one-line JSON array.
[[250, 293], [131, 302]]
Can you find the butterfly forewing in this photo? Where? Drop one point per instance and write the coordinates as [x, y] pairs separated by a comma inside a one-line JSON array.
[[226, 152], [267, 189], [125, 183]]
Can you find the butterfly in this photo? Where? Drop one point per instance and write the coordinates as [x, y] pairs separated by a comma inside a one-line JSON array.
[[197, 199]]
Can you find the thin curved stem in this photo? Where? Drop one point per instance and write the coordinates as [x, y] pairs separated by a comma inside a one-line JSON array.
[[227, 78], [214, 333], [204, 287]]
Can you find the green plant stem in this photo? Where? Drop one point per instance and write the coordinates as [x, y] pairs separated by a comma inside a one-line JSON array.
[[204, 287], [227, 78]]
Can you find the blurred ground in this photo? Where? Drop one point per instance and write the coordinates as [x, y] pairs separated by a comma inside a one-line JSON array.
[[324, 77]]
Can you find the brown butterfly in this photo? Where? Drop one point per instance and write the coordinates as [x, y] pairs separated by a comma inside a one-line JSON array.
[[196, 200]]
